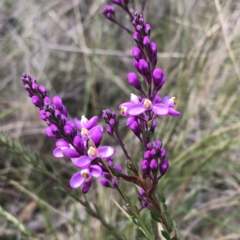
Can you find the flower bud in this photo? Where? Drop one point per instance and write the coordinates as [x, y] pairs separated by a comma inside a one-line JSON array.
[[143, 67], [105, 182], [136, 52], [57, 101], [158, 77], [42, 90], [162, 153], [67, 129], [133, 80], [147, 29], [145, 166], [139, 28], [136, 37], [49, 133], [36, 101], [54, 129], [153, 165], [153, 48], [147, 155], [135, 128], [164, 166], [78, 143], [146, 41]]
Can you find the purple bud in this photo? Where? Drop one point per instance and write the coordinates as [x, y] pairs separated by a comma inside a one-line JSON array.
[[57, 113], [27, 87], [153, 165], [47, 99], [49, 133], [139, 28], [70, 153], [136, 64], [42, 90], [54, 129], [158, 77], [96, 135], [146, 41], [153, 48], [112, 122], [149, 146], [147, 29], [145, 166], [36, 101], [153, 152], [78, 143], [34, 86], [133, 80], [136, 37], [42, 115], [136, 52], [86, 186], [147, 155], [164, 166], [162, 153], [110, 130], [71, 124], [118, 168], [64, 111], [105, 182], [143, 67], [67, 129], [157, 98], [154, 125], [57, 102], [135, 128]]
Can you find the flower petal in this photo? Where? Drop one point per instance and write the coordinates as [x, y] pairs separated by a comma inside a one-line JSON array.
[[106, 151], [78, 123], [57, 152], [70, 153], [96, 135], [96, 171], [160, 109], [125, 104], [136, 109], [82, 162], [173, 112], [92, 122], [62, 143], [77, 180], [86, 186]]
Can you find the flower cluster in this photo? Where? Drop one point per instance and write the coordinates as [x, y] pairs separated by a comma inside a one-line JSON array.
[[78, 140]]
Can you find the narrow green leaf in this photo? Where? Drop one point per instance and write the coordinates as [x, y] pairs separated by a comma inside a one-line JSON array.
[[165, 235]]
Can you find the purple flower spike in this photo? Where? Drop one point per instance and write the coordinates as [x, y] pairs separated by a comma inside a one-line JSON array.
[[145, 166], [136, 52], [133, 80], [164, 165]]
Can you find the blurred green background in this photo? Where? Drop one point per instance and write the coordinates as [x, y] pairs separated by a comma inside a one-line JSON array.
[[73, 50]]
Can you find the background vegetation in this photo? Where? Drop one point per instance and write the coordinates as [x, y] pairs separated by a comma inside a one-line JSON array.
[[70, 47]]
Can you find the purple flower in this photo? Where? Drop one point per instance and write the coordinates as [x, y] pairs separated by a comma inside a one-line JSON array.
[[147, 105], [65, 149], [84, 177], [124, 106], [170, 102], [93, 153]]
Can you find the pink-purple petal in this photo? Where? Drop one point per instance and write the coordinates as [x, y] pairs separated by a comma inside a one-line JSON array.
[[70, 153], [106, 151], [173, 112], [92, 122], [78, 123], [77, 180], [62, 143], [96, 171], [136, 109], [83, 162], [160, 109], [166, 99], [125, 104], [57, 152]]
